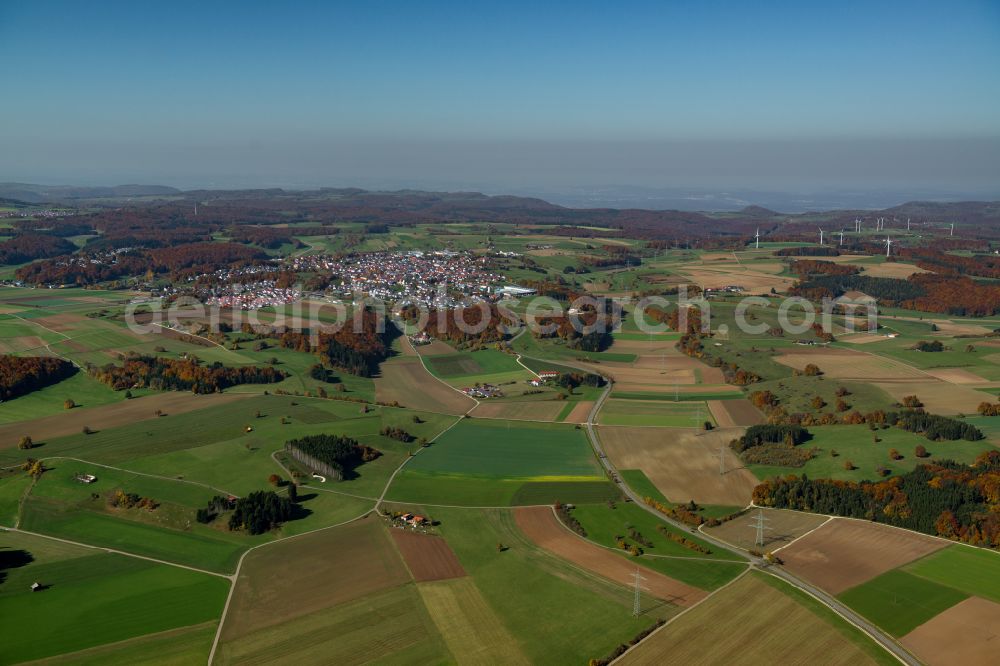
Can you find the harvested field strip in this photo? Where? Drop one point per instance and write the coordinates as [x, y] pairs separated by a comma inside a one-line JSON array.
[[783, 527], [845, 553], [536, 410], [687, 414], [543, 528], [753, 622], [683, 393], [382, 625], [735, 413], [939, 397], [839, 363], [427, 557], [470, 628], [580, 412], [946, 639], [306, 574], [405, 381], [682, 463]]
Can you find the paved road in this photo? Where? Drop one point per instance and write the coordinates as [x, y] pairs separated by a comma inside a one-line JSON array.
[[861, 623]]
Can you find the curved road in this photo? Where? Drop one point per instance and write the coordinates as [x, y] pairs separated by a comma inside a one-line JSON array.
[[831, 602]]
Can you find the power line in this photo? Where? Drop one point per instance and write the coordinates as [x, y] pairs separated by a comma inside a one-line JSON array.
[[760, 524], [637, 603]]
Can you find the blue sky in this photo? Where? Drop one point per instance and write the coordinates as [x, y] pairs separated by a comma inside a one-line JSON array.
[[309, 93]]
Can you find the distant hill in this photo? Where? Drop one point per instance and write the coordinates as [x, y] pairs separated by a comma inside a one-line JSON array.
[[758, 211], [60, 193], [148, 205]]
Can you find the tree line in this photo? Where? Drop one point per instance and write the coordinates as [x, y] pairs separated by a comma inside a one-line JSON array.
[[942, 498], [165, 374], [20, 375]]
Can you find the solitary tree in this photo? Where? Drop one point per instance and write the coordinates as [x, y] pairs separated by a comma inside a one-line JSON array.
[[920, 451], [87, 430], [25, 443], [274, 479], [68, 404]]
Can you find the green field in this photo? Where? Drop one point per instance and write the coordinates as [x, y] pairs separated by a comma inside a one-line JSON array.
[[899, 602], [707, 571], [855, 444], [482, 462], [486, 366], [83, 390], [558, 594], [94, 598], [973, 571], [510, 450]]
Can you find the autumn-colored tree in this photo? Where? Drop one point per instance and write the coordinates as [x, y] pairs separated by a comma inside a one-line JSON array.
[[895, 455], [817, 402], [842, 406], [912, 402], [849, 466], [274, 479], [68, 403], [811, 370], [920, 451], [25, 443]]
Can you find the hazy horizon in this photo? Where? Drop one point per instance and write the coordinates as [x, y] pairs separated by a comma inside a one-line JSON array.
[[800, 100]]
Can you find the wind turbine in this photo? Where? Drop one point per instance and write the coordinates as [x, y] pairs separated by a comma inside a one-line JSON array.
[[757, 237], [907, 224], [841, 236], [820, 235], [888, 245], [952, 229]]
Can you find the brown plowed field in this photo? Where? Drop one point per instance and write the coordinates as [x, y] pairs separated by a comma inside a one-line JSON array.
[[849, 364], [844, 553], [60, 322], [435, 348], [312, 572], [110, 416], [682, 462], [428, 557], [540, 525], [405, 381], [892, 269], [735, 413], [937, 643], [580, 413]]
